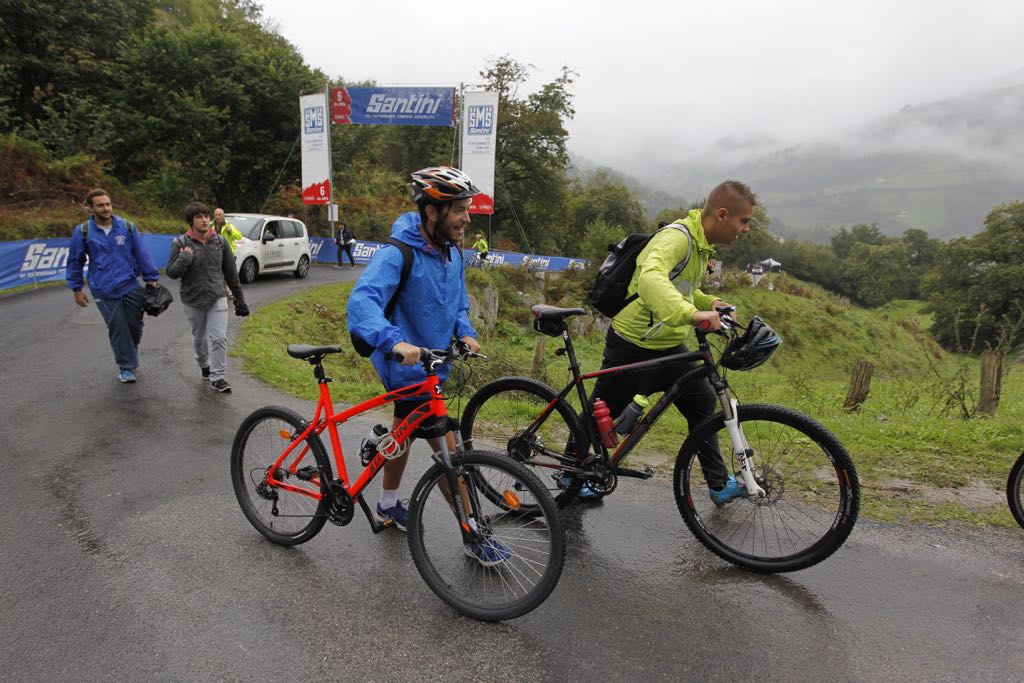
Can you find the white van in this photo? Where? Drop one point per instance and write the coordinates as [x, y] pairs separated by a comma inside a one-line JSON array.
[[271, 244]]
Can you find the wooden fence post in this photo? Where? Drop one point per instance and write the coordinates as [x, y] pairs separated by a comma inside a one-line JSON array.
[[538, 354], [991, 381], [860, 385]]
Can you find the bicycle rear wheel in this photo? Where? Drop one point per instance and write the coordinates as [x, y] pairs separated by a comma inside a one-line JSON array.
[[813, 494], [525, 551], [1015, 490], [503, 415], [284, 517]]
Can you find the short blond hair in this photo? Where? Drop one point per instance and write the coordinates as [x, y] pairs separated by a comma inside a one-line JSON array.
[[731, 195]]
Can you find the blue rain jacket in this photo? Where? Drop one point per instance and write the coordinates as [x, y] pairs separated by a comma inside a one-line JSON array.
[[115, 260], [431, 310]]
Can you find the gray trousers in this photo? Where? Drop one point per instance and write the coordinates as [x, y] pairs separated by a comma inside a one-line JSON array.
[[210, 336]]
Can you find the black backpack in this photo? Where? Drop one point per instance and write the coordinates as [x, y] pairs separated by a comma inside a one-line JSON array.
[[361, 346], [608, 293]]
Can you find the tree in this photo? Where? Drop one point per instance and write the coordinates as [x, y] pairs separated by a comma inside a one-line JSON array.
[[975, 291], [843, 241], [601, 199], [531, 156], [877, 274]]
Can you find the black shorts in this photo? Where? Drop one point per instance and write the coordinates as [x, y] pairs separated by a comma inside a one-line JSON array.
[[430, 429]]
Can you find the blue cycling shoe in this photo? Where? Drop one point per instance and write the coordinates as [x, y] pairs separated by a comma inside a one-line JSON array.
[[586, 493], [732, 489], [488, 551]]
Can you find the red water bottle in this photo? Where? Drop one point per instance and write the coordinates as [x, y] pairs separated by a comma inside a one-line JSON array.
[[605, 426]]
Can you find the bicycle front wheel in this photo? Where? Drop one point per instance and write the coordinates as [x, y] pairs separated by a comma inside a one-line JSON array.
[[526, 420], [1015, 490], [519, 559], [812, 500], [286, 517]]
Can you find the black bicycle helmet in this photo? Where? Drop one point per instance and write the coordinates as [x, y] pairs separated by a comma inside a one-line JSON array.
[[441, 184], [753, 347]]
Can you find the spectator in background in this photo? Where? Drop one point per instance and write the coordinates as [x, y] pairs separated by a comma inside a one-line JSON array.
[[346, 241], [203, 262], [117, 256], [230, 233], [481, 247]]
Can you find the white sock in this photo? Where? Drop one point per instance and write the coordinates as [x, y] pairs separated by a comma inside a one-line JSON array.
[[387, 499]]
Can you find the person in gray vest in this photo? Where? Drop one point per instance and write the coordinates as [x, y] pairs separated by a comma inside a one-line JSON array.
[[117, 256], [203, 261]]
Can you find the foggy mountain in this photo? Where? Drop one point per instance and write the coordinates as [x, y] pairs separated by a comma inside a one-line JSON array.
[[940, 166]]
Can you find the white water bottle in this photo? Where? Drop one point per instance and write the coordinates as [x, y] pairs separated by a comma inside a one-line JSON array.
[[368, 449]]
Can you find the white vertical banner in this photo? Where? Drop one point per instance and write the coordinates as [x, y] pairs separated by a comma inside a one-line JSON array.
[[479, 143], [316, 148]]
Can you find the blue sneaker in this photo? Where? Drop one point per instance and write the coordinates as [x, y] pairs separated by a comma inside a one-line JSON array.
[[126, 377], [397, 515], [732, 489], [586, 493], [488, 552]]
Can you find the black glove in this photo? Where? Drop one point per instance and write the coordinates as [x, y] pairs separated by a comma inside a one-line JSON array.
[[241, 309]]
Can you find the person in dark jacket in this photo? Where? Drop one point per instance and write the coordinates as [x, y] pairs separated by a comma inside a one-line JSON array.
[[117, 256], [203, 261], [345, 241]]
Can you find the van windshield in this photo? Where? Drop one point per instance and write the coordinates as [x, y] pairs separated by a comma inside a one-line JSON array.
[[247, 225]]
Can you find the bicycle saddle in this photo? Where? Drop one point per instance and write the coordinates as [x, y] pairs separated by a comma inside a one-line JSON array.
[[307, 351], [545, 312]]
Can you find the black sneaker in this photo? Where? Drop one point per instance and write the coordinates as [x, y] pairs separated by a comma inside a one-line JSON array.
[[206, 372], [221, 385]]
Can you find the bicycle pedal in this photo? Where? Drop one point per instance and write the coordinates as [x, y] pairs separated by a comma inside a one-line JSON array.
[[306, 473], [645, 473]]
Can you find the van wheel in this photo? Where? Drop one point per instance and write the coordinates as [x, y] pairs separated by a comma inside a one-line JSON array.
[[303, 269], [247, 273]]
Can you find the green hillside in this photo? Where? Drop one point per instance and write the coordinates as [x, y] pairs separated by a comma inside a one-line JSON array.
[[917, 457]]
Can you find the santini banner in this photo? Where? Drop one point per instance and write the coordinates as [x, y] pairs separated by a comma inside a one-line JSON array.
[[394, 106]]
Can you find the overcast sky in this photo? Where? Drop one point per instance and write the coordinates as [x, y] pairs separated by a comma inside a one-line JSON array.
[[672, 75]]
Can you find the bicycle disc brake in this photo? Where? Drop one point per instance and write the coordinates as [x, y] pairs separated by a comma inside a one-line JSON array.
[[341, 508], [774, 487], [521, 447]]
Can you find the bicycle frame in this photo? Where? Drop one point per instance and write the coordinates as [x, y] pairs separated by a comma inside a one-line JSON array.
[[325, 418], [741, 449]]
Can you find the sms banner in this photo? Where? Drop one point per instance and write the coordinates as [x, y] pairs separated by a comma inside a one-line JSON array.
[[394, 106], [316, 149], [479, 144]]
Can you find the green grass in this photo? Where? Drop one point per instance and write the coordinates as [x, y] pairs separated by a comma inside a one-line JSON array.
[[918, 459]]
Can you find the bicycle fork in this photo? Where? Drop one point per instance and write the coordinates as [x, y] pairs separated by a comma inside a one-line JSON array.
[[740, 447], [458, 495]]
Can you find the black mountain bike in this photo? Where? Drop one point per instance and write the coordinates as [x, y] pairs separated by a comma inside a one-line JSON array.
[[1015, 490], [800, 489]]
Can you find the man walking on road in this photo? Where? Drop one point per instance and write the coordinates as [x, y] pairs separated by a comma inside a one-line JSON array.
[[117, 256], [203, 261]]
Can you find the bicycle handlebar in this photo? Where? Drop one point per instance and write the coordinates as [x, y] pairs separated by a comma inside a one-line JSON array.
[[432, 358]]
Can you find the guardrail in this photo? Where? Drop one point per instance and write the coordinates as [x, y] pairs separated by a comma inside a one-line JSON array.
[[27, 262]]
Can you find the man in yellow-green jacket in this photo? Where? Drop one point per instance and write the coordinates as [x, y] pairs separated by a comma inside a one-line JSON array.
[[230, 233], [670, 302]]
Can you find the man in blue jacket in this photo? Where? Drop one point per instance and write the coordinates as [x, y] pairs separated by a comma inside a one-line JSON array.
[[117, 256], [431, 309]]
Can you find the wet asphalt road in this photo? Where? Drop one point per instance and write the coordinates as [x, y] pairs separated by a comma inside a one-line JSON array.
[[125, 557]]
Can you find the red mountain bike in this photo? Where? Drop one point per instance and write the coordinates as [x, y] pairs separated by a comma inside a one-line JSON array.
[[465, 502], [800, 489]]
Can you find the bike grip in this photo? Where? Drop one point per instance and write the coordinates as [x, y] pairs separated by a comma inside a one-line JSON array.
[[704, 324]]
